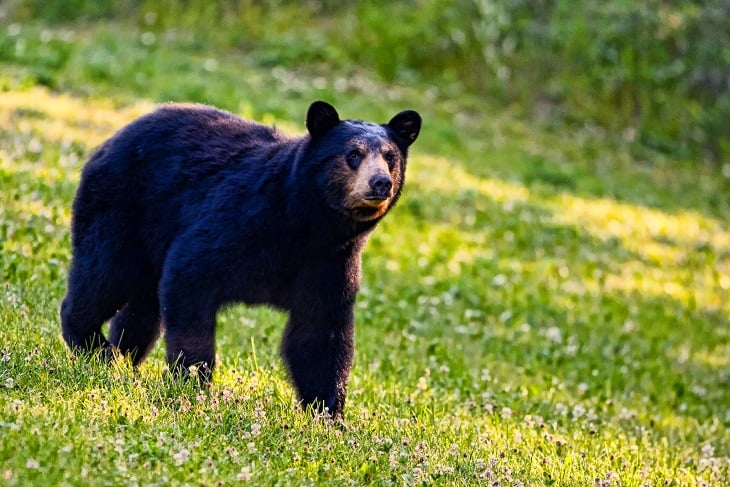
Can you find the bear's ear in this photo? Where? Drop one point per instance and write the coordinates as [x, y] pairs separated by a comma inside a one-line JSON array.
[[406, 125], [321, 117]]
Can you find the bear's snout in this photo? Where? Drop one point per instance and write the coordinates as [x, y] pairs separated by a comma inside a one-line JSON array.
[[380, 184]]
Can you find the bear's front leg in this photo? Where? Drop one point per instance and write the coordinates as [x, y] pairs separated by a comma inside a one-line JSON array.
[[317, 349]]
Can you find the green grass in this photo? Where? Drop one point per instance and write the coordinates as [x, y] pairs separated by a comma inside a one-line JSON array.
[[543, 308]]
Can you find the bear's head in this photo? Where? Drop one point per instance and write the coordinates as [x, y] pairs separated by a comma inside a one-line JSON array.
[[362, 164]]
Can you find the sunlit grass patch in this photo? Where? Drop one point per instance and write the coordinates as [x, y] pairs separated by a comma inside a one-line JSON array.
[[63, 119], [684, 255], [681, 254]]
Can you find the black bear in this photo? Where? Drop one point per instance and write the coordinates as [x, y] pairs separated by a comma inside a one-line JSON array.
[[190, 208]]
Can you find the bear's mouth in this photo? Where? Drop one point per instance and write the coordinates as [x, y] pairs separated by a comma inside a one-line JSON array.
[[365, 213], [375, 201]]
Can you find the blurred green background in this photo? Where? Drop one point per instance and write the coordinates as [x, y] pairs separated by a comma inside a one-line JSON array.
[[655, 73]]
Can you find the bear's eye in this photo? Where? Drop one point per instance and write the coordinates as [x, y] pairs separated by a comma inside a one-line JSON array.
[[353, 158], [391, 158]]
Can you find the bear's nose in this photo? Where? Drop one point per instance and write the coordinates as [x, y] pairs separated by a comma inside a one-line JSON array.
[[381, 185]]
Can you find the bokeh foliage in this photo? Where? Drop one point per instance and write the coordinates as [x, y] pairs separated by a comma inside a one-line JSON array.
[[656, 73]]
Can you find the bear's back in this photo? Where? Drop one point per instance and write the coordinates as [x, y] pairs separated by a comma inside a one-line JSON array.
[[200, 133], [169, 168], [182, 152]]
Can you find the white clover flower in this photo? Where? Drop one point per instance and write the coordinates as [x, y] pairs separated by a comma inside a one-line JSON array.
[[708, 450], [181, 456], [554, 334], [578, 411], [245, 474]]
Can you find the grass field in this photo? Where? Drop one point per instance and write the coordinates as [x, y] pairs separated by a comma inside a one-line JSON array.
[[544, 306]]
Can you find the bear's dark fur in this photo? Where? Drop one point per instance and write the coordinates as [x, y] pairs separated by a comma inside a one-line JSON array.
[[190, 208]]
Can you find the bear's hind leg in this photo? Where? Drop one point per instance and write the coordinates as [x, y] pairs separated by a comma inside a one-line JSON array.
[[191, 345], [189, 301], [189, 334], [81, 326], [88, 303], [136, 327]]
